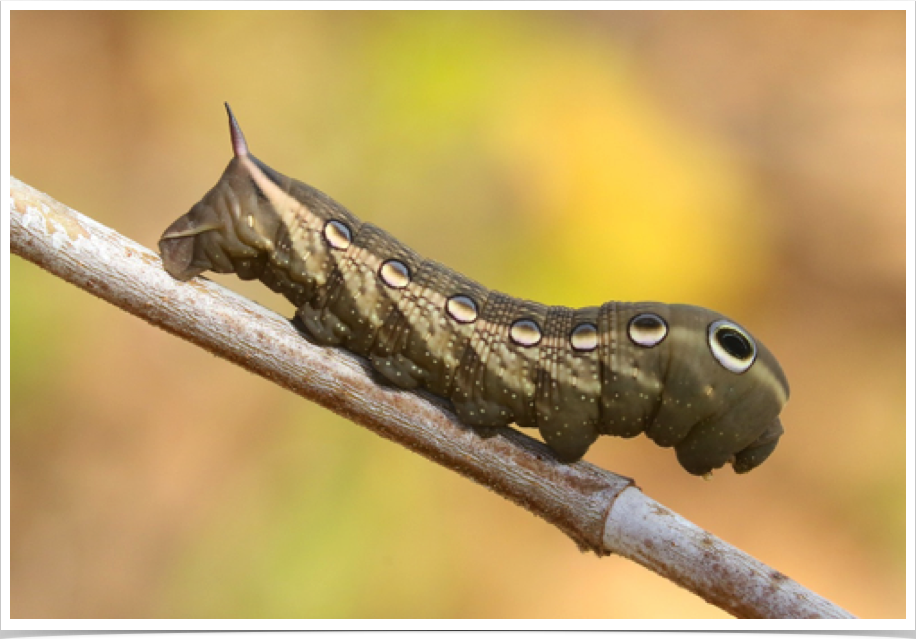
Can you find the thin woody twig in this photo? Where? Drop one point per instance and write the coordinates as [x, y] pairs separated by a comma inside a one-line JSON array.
[[599, 510]]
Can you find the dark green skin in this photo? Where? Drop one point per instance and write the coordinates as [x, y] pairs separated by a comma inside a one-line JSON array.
[[263, 225]]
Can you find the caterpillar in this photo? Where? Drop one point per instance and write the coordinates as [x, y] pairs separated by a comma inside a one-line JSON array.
[[687, 377]]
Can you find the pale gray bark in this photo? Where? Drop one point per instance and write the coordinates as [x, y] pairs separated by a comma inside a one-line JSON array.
[[599, 510]]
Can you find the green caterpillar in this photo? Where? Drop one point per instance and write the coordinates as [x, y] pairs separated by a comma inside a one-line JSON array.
[[685, 376]]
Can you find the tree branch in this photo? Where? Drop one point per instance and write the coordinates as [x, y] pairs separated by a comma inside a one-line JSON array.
[[599, 510]]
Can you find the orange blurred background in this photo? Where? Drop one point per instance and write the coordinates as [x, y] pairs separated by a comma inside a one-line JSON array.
[[751, 162]]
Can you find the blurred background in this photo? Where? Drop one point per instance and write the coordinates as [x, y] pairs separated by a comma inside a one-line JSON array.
[[750, 162]]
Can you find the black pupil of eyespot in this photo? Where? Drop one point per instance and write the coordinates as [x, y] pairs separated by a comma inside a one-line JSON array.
[[734, 343], [646, 322]]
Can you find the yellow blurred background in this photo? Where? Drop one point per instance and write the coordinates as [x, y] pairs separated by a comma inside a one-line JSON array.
[[751, 162]]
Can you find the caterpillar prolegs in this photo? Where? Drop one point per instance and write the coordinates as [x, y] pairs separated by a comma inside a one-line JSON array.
[[685, 376]]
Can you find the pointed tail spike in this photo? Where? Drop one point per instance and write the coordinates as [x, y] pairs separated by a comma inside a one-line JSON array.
[[239, 145]]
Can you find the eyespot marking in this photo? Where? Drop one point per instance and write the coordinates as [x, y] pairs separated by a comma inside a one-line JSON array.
[[647, 330], [584, 337], [525, 332], [732, 346], [395, 274], [337, 235], [462, 309]]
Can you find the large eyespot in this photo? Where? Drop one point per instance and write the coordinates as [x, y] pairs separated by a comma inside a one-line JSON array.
[[732, 346], [647, 330]]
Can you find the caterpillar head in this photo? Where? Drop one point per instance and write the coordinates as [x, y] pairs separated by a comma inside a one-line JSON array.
[[724, 389]]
